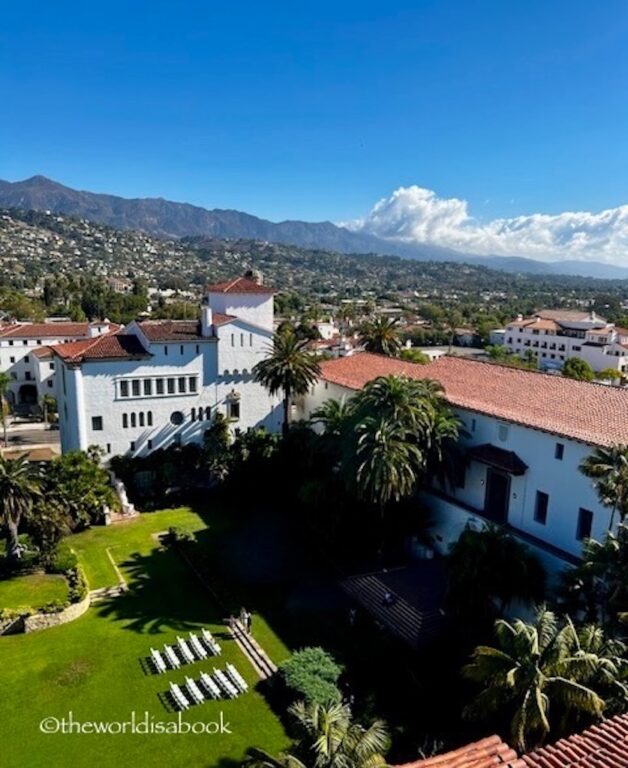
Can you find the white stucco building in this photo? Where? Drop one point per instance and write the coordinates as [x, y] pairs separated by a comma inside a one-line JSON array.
[[527, 435], [24, 354], [159, 382], [554, 336]]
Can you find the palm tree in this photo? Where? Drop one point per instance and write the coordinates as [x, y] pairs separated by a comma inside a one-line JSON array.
[[407, 402], [289, 368], [334, 416], [331, 739], [19, 488], [4, 385], [380, 335], [608, 469], [387, 462], [538, 672]]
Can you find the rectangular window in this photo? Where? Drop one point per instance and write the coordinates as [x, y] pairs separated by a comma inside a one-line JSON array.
[[26, 360], [585, 524], [97, 423], [149, 445], [159, 386], [27, 375], [234, 409], [198, 349], [250, 339], [125, 420], [124, 389], [133, 420], [181, 383], [473, 425], [192, 383], [148, 387], [135, 387], [171, 383], [559, 451], [149, 418], [108, 447], [540, 507], [241, 339], [52, 366], [49, 383], [193, 414], [502, 432], [132, 445], [233, 339], [11, 359], [165, 350], [181, 349]]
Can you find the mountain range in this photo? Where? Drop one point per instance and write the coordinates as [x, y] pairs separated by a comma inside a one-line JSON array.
[[165, 218]]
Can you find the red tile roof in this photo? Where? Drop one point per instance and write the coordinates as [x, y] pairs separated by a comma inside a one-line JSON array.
[[592, 413], [481, 754], [239, 285], [179, 330], [44, 330], [112, 347], [602, 746], [42, 352]]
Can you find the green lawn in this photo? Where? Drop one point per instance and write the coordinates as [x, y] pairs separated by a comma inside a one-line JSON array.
[[34, 590], [95, 666]]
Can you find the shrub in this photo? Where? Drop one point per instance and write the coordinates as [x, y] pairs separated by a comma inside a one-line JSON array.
[[79, 586], [63, 559], [54, 606], [177, 535], [15, 613], [312, 674]]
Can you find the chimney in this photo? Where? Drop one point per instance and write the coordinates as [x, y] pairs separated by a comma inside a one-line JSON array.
[[207, 327], [519, 318], [255, 275]]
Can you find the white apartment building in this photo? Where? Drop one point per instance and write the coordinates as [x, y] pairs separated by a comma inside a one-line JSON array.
[[24, 355], [527, 431], [554, 336], [159, 382]]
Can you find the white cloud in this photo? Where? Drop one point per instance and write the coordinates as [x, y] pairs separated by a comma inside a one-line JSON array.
[[415, 214]]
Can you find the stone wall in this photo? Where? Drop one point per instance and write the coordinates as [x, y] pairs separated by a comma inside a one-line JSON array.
[[47, 620]]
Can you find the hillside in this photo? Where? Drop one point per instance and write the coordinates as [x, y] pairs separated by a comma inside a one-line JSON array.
[[167, 219]]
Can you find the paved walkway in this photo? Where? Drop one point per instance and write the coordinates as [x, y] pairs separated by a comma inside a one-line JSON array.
[[260, 661]]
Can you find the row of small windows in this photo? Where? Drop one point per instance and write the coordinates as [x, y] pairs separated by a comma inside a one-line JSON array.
[[242, 337], [37, 342], [182, 349], [172, 385], [140, 419], [235, 372]]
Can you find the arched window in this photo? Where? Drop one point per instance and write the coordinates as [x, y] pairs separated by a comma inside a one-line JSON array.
[[193, 414], [141, 418], [125, 420], [236, 372], [226, 372], [208, 413], [133, 420], [149, 418]]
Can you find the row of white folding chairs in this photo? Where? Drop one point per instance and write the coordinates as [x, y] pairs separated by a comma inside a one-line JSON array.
[[237, 679], [212, 687]]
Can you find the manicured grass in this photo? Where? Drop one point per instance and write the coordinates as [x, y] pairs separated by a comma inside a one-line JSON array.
[[34, 590], [95, 667]]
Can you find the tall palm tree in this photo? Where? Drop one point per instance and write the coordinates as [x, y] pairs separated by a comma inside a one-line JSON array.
[[539, 673], [331, 739], [334, 416], [407, 402], [608, 469], [4, 385], [289, 368], [387, 462], [19, 488], [380, 335]]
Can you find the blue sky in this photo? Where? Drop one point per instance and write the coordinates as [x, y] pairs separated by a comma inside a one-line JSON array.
[[318, 110]]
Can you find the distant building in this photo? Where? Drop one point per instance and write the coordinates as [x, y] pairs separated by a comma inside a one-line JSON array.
[[497, 336], [553, 336], [25, 356]]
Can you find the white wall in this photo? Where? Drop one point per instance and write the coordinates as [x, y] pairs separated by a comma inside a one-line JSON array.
[[256, 308]]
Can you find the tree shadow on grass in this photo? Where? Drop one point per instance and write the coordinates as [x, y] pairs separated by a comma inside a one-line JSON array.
[[163, 595]]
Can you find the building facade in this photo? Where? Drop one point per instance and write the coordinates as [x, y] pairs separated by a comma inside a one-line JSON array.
[[553, 336], [526, 436], [161, 382], [25, 357]]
